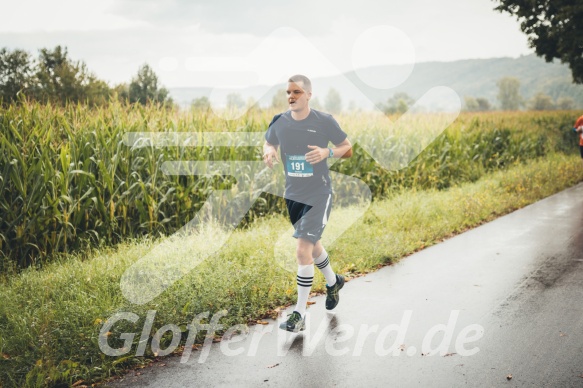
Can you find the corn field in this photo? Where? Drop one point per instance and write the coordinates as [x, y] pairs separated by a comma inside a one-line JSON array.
[[68, 179]]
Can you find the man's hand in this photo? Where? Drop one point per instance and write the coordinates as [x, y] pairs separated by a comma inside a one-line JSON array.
[[317, 154], [269, 155]]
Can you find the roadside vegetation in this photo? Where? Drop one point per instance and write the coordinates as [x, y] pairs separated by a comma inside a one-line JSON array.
[[78, 207]]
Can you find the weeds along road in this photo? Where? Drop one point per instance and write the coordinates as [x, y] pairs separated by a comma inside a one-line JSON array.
[[500, 305]]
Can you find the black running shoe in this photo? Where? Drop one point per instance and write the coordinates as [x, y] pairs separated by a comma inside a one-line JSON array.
[[332, 297], [294, 323]]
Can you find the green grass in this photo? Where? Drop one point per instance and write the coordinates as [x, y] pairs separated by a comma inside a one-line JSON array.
[[50, 318]]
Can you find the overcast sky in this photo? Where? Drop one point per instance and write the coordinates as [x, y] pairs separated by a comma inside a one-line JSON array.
[[227, 43]]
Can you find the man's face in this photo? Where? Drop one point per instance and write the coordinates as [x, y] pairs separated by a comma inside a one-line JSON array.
[[297, 97]]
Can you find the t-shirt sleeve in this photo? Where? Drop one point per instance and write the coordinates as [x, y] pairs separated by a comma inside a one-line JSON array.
[[270, 135], [335, 133]]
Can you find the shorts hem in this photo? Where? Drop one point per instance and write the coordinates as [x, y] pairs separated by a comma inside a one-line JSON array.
[[313, 239]]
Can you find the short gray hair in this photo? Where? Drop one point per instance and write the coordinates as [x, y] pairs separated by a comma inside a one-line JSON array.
[[303, 79]]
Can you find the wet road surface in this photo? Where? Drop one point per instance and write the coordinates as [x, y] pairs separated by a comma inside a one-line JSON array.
[[499, 305]]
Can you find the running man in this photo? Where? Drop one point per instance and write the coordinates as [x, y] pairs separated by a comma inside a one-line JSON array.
[[579, 129], [303, 135]]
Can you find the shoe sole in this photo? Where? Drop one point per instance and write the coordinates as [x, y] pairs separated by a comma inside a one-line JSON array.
[[297, 330]]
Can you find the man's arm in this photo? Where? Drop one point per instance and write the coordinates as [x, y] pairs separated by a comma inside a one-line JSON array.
[[269, 154], [343, 150], [340, 150]]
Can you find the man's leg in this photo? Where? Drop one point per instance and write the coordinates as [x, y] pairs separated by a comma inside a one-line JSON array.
[[322, 261], [310, 230], [305, 275]]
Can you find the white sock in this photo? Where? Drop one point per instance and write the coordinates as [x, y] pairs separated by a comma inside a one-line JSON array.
[[304, 281], [323, 264]]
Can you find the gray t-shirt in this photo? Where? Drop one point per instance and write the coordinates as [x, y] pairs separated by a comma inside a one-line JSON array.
[[302, 179]]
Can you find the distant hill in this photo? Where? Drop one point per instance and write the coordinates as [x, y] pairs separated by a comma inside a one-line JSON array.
[[470, 77]]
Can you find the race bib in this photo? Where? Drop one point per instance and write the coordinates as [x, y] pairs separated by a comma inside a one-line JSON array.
[[298, 167]]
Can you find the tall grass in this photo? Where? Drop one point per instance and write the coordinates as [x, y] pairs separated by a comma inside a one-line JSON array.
[[68, 181]]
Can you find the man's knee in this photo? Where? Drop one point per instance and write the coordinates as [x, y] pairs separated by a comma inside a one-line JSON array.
[[304, 251]]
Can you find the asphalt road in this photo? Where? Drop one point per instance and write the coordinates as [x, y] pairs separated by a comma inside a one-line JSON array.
[[499, 305]]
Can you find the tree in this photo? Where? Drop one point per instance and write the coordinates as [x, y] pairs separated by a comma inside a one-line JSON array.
[[144, 87], [554, 29], [16, 74], [201, 103], [566, 103], [279, 100], [483, 104], [398, 104], [542, 101], [97, 92], [479, 104], [471, 104], [59, 79], [52, 64], [333, 103], [235, 101], [508, 93], [122, 91]]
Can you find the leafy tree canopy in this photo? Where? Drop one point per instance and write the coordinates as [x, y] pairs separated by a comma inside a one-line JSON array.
[[144, 87], [553, 27], [398, 104], [509, 93], [333, 102], [16, 74], [54, 77]]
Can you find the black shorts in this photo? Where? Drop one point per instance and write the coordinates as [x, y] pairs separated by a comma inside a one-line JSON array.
[[581, 150], [309, 221]]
